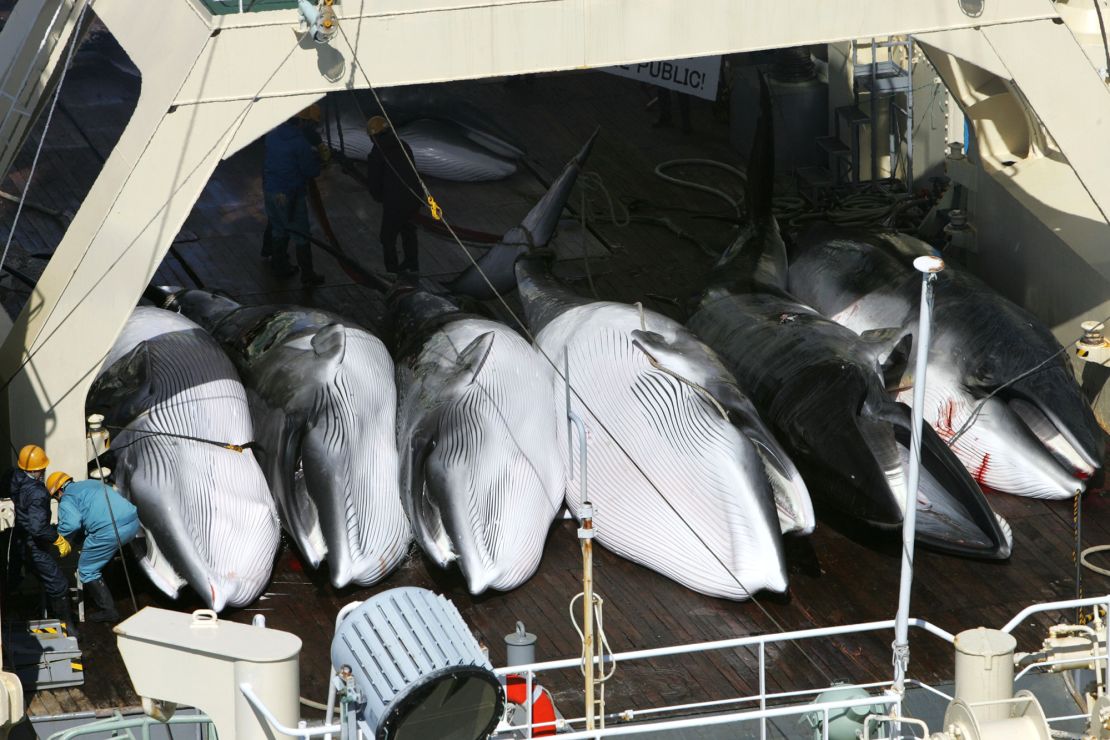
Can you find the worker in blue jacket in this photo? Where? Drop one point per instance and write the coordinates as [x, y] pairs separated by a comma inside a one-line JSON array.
[[34, 535], [97, 509], [291, 161]]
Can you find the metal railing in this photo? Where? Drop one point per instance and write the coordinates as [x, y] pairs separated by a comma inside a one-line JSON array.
[[225, 7], [119, 724], [762, 715], [302, 731], [758, 642], [877, 694], [765, 711]]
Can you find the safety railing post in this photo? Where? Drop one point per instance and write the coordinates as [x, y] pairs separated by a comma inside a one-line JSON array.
[[1106, 664], [762, 688], [528, 701]]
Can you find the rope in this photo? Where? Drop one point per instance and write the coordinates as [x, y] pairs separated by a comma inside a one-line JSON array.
[[32, 353], [46, 128], [147, 434], [1077, 556], [702, 390], [603, 648], [585, 247], [608, 213], [979, 406], [504, 304], [352, 268], [102, 159], [1083, 558], [602, 641], [119, 540], [591, 182], [1102, 35], [854, 209], [733, 202], [107, 498]]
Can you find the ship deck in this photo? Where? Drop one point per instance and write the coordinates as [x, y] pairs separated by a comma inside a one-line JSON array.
[[839, 575]]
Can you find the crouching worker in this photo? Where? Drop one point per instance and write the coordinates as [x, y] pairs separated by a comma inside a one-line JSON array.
[[91, 505]]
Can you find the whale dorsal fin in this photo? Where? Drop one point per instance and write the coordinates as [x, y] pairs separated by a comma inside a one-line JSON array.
[[535, 231], [330, 342], [889, 347], [760, 182]]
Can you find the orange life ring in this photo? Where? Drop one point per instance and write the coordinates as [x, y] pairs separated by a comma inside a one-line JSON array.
[[543, 709]]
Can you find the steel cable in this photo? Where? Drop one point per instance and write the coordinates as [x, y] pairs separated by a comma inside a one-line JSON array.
[[559, 373], [45, 130], [115, 528]]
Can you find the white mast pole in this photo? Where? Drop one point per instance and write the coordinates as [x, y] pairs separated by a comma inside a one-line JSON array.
[[929, 267]]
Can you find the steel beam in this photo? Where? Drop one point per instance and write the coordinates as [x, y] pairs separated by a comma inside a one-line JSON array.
[[143, 194], [399, 42]]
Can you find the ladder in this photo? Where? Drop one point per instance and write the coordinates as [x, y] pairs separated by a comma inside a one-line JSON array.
[[880, 79]]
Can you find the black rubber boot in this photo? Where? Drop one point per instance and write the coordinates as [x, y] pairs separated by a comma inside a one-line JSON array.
[[64, 614], [309, 277], [279, 258], [267, 242], [105, 604]]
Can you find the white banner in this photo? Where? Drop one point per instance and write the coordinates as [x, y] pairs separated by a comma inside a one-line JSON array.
[[697, 76]]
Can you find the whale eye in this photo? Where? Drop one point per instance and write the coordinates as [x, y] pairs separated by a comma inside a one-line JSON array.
[[984, 376]]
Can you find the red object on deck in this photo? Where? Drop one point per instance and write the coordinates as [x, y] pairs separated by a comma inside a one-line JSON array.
[[543, 709]]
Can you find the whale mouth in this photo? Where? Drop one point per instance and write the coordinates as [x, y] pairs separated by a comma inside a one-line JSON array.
[[1053, 410], [434, 531], [1054, 436], [305, 517], [952, 514], [429, 526]]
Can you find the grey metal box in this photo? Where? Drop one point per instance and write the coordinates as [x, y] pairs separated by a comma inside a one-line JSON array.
[[43, 655]]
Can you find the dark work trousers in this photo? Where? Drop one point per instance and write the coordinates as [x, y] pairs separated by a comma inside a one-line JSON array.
[[287, 215], [54, 581], [665, 107], [394, 224]]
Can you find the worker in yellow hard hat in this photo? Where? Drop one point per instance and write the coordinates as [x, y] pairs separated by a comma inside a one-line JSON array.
[[294, 156], [34, 535], [311, 113], [108, 520], [376, 125], [393, 182]]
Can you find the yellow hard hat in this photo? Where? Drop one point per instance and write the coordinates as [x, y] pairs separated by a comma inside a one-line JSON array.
[[376, 125], [32, 458], [311, 113], [56, 481]]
